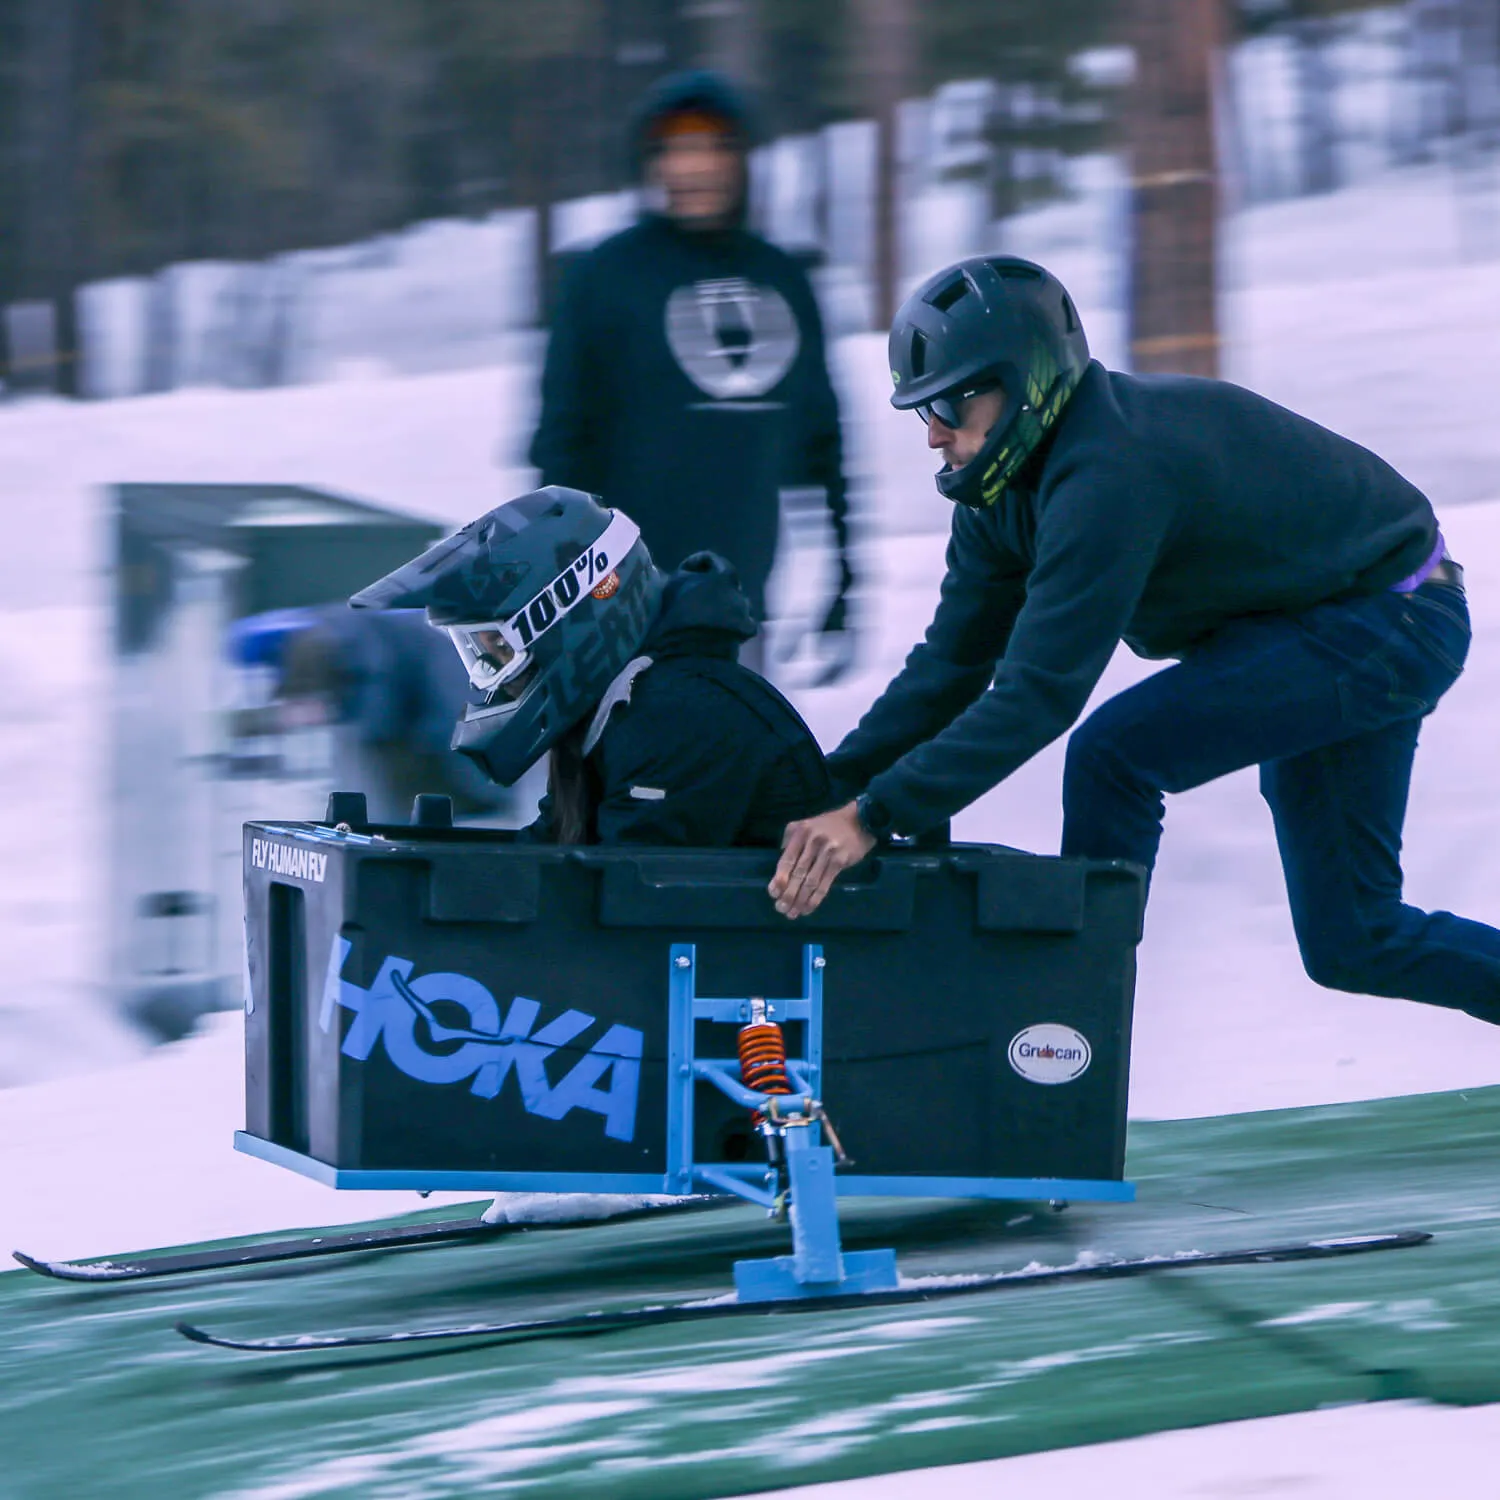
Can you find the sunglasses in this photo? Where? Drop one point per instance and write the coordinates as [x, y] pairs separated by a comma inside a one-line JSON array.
[[949, 407]]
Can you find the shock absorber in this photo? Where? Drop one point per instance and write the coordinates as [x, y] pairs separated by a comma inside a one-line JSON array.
[[763, 1067], [762, 1051]]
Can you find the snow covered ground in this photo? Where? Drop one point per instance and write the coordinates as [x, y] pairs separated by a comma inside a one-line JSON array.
[[1359, 308], [1389, 1451]]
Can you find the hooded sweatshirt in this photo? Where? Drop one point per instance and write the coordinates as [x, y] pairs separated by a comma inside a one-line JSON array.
[[686, 379], [688, 747], [1160, 509]]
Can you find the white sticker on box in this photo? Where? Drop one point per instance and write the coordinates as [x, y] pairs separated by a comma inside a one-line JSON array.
[[1050, 1053]]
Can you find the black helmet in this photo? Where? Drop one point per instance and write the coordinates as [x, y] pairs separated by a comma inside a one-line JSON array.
[[993, 320], [547, 598]]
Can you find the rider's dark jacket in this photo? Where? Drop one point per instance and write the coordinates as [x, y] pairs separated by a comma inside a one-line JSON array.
[[694, 749]]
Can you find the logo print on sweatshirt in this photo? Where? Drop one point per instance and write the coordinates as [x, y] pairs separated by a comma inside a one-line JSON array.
[[734, 340], [402, 1013]]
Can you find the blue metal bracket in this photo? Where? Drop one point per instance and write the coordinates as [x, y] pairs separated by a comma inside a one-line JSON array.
[[817, 1265]]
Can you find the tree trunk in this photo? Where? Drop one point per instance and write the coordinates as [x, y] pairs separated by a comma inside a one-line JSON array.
[[1173, 297], [48, 223], [884, 60], [731, 40], [1311, 38], [537, 148]]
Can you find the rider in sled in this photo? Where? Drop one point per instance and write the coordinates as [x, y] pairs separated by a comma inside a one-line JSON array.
[[579, 647]]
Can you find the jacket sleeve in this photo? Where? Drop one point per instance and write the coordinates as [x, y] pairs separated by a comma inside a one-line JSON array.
[[1097, 541], [568, 446], [982, 592], [684, 773]]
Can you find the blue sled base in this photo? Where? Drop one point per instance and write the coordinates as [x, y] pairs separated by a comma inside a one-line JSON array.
[[775, 1279], [847, 1185]]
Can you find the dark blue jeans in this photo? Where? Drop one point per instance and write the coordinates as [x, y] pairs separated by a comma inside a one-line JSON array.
[[1328, 705]]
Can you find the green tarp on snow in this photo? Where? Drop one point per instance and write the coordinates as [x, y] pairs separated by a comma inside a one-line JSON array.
[[99, 1397]]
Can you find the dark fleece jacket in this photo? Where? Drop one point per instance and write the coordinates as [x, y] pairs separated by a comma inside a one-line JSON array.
[[703, 752], [1162, 508]]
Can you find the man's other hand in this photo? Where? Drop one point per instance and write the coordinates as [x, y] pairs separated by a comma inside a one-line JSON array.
[[812, 854]]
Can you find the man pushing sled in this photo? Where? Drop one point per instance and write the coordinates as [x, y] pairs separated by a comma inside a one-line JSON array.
[[1301, 584]]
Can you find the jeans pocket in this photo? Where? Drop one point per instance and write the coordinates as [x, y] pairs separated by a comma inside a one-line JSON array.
[[1381, 690], [1393, 655], [1412, 669], [1437, 618]]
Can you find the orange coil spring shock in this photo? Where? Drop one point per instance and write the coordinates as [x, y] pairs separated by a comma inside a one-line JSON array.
[[762, 1050]]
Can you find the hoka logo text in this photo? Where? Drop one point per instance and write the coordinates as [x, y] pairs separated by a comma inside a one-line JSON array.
[[402, 1013]]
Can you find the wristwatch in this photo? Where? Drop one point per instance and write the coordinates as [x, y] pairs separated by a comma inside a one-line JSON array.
[[874, 816]]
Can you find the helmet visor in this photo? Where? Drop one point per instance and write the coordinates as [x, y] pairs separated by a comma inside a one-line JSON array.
[[497, 654]]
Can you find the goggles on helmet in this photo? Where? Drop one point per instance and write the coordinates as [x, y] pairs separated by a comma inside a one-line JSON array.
[[948, 408], [490, 659], [497, 654]]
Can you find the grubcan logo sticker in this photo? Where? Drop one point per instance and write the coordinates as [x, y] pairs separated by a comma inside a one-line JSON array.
[[401, 1012], [734, 340], [1050, 1053]]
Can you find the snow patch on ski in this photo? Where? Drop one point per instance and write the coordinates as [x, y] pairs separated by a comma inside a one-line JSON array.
[[573, 1208], [98, 1270]]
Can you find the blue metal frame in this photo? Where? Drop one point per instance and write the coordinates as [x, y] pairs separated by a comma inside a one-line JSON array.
[[684, 1068], [409, 1179], [817, 1265], [1007, 1189]]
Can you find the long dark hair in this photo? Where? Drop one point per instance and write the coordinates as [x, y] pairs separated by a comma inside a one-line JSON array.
[[571, 788]]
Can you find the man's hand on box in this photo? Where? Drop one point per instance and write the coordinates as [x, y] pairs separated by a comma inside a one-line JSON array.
[[813, 852]]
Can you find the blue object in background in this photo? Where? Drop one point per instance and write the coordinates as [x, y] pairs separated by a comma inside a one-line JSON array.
[[261, 640]]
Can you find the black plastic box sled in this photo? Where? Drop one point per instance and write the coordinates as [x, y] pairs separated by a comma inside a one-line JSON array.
[[440, 1008]]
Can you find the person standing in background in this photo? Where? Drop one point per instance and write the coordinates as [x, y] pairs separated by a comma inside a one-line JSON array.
[[686, 378]]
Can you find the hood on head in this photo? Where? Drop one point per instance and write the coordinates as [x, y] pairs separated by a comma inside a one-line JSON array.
[[703, 611], [698, 89]]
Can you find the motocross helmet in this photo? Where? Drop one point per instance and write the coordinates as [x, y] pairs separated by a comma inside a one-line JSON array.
[[546, 599], [994, 320]]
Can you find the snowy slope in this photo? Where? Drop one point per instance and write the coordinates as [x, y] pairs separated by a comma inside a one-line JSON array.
[[137, 1156], [1385, 1451], [95, 1383]]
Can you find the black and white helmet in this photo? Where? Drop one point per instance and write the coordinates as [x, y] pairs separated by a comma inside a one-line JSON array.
[[546, 599]]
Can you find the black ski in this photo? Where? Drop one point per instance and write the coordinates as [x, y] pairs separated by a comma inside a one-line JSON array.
[[926, 1290], [268, 1252], [265, 1253]]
